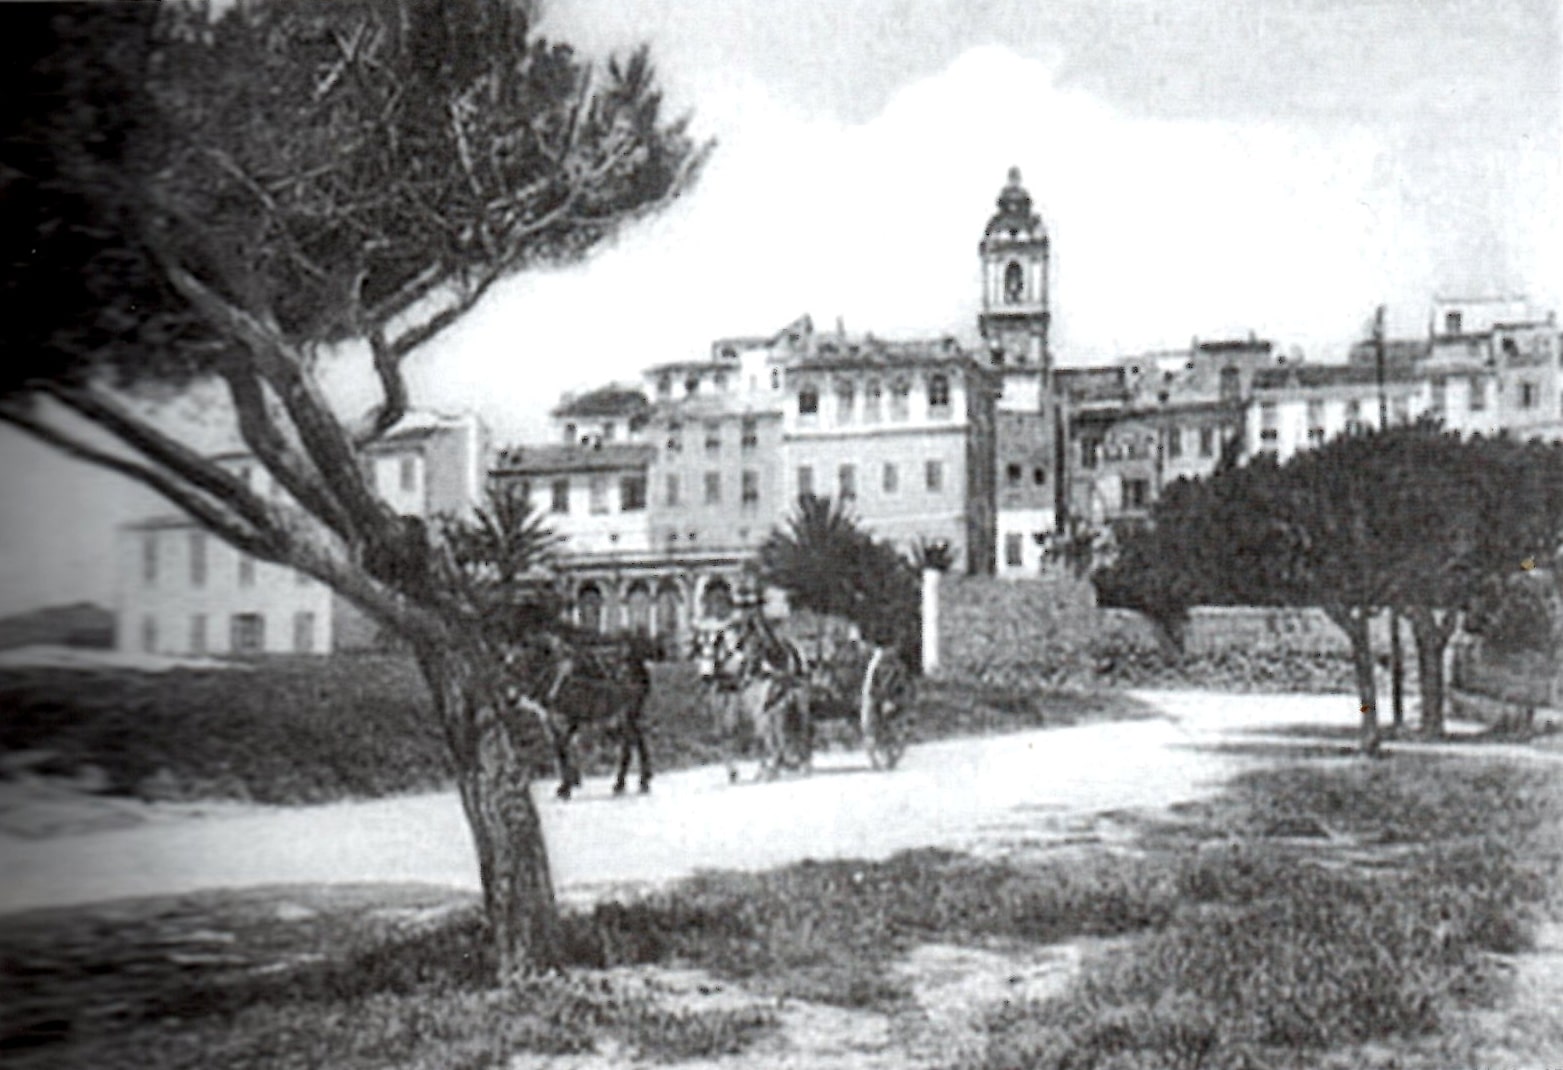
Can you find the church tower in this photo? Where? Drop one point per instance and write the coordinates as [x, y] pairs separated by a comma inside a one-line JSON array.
[[1015, 316], [1014, 321]]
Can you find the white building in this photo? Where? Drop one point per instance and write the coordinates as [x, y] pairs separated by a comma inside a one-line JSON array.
[[182, 590]]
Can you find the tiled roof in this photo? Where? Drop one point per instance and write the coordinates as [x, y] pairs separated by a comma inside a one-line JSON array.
[[610, 456], [1308, 376]]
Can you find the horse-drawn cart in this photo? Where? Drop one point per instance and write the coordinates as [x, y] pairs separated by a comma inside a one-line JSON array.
[[856, 683]]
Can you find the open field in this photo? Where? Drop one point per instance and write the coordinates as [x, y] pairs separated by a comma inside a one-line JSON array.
[[1315, 915]]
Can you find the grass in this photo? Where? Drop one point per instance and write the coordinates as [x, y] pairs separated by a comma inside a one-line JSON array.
[[342, 977], [1232, 950], [1272, 959], [304, 730]]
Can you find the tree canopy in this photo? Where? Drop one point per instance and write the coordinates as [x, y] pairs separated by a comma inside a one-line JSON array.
[[828, 564], [231, 196], [1411, 517]]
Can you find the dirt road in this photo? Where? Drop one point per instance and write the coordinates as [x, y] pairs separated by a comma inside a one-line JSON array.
[[990, 794]]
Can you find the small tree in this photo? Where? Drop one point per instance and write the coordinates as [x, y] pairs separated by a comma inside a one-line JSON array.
[[231, 200], [828, 564]]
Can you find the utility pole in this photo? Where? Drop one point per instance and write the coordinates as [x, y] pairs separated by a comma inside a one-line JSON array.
[[1397, 662]]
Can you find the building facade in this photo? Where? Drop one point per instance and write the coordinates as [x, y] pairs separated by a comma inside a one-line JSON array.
[[183, 591]]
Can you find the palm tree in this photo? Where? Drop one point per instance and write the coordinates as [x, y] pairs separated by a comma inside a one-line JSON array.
[[504, 556]]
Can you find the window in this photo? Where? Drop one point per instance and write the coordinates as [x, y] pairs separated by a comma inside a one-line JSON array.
[[607, 431], [939, 395], [246, 571], [846, 399], [1207, 441], [1452, 322], [1013, 543], [713, 484], [408, 474], [713, 431], [750, 432], [1231, 384], [198, 633], [846, 479], [1136, 492], [664, 386], [672, 488], [873, 394], [1012, 474], [569, 434], [303, 632], [247, 633], [900, 400], [1014, 283], [559, 496], [891, 478], [692, 385], [1316, 422], [1039, 475], [675, 436], [1478, 395], [805, 481], [198, 559], [1528, 394], [1174, 442], [1268, 419], [597, 494], [808, 403], [149, 558], [1402, 409], [632, 494], [750, 492], [149, 634], [1090, 451], [776, 379], [1354, 415], [933, 475], [1439, 401]]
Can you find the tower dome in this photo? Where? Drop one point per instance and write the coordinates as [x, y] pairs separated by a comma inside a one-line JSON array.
[[1015, 218]]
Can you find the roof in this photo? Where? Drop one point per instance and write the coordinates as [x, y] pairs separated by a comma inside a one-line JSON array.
[[1313, 376], [1396, 351], [871, 352], [540, 460], [160, 522], [610, 400]]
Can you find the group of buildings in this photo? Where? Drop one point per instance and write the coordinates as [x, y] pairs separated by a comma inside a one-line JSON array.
[[664, 488]]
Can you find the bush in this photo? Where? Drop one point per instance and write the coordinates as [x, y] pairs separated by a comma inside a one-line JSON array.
[[283, 730]]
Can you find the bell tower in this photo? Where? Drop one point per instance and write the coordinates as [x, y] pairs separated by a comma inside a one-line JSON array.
[[1015, 317]]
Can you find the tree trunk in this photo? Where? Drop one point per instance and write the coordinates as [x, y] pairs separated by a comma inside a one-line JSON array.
[[1432, 639], [493, 778], [1397, 672], [1354, 622]]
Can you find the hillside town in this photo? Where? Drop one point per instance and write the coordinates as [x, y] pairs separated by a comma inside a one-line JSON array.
[[1000, 449]]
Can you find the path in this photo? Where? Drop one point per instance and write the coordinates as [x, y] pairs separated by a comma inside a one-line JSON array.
[[983, 794]]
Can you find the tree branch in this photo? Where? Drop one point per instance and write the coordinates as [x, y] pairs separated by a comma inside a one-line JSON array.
[[318, 429], [264, 438], [161, 449], [267, 544]]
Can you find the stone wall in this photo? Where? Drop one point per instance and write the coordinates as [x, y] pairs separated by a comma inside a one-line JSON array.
[[986, 622]]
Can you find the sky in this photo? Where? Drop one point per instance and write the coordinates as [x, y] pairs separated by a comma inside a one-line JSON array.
[[1205, 169]]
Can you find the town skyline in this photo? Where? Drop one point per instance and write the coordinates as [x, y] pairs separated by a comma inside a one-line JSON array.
[[1324, 161]]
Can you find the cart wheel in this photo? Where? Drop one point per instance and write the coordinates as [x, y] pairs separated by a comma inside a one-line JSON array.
[[891, 692]]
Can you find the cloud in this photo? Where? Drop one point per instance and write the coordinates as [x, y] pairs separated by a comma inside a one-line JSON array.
[[1162, 229]]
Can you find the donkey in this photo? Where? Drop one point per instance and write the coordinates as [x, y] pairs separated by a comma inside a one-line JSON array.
[[757, 682], [593, 680]]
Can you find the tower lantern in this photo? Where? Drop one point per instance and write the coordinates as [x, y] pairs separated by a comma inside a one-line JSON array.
[[1014, 249]]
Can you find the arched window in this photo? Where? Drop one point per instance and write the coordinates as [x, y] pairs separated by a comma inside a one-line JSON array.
[[717, 601], [589, 608], [637, 608], [1014, 283]]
